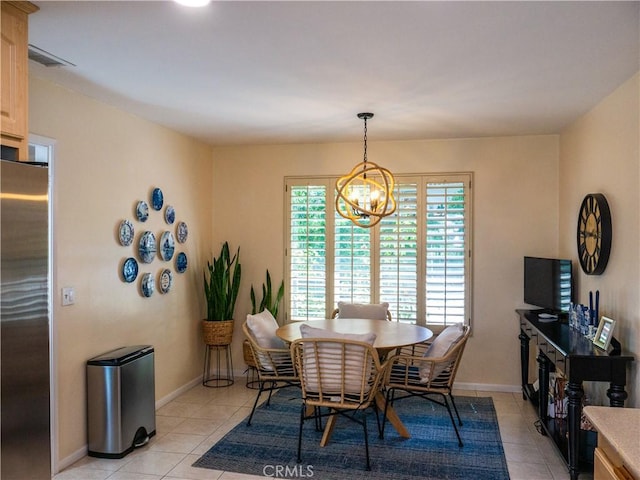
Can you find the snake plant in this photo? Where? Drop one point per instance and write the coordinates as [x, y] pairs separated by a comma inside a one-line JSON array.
[[222, 285], [269, 302]]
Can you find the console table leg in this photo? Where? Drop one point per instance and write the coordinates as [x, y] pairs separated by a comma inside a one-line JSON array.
[[543, 381], [524, 362], [574, 394], [616, 395]]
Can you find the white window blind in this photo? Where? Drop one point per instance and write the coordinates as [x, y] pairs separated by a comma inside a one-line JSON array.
[[307, 251], [446, 252], [417, 260], [398, 253], [352, 262]]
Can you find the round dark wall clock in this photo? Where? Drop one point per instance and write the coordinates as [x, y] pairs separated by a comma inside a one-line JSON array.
[[594, 234]]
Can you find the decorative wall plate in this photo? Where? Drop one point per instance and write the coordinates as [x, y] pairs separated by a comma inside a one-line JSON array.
[[167, 246], [169, 215], [165, 281], [147, 247], [129, 270], [147, 285], [182, 232], [157, 199], [181, 262], [142, 211], [125, 233]]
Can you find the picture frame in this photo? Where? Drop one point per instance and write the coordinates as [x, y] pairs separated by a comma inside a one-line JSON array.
[[604, 334]]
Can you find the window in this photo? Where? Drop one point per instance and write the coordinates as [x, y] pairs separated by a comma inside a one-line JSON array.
[[418, 259]]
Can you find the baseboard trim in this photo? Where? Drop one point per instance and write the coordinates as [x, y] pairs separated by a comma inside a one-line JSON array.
[[71, 459], [488, 387], [176, 393]]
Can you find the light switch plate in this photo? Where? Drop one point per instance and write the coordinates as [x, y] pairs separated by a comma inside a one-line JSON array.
[[68, 296]]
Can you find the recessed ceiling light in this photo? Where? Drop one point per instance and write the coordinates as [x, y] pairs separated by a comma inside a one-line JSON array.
[[193, 3]]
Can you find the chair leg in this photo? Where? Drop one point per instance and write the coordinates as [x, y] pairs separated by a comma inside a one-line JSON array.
[[455, 408], [453, 422], [302, 412], [255, 404], [389, 398], [366, 440]]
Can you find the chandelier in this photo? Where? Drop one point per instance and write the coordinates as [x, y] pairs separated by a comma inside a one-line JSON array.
[[365, 195]]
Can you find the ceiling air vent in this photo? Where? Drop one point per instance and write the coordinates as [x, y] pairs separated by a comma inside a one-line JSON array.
[[47, 59]]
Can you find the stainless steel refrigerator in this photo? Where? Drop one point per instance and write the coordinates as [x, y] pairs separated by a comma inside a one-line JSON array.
[[25, 442]]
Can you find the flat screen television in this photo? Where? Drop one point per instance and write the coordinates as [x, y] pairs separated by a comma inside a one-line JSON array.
[[548, 283]]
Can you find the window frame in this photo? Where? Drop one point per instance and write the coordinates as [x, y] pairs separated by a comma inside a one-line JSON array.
[[330, 226]]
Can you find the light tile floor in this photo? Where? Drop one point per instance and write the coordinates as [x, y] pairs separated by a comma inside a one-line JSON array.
[[189, 425]]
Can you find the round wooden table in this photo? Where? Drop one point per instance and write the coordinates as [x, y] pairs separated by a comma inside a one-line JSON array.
[[389, 335]]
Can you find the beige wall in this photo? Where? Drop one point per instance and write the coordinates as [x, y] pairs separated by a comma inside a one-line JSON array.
[[600, 153], [515, 195], [105, 161]]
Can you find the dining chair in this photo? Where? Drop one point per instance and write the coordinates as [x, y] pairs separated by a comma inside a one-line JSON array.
[[428, 370], [272, 358], [374, 311], [339, 375]]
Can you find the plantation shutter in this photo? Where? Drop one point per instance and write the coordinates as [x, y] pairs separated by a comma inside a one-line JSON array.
[[446, 248], [417, 259], [398, 255], [352, 262], [307, 252]]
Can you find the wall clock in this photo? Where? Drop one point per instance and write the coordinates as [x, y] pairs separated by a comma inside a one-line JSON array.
[[594, 234]]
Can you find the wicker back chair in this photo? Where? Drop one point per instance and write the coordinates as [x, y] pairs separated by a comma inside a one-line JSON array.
[[411, 373], [274, 367], [337, 377]]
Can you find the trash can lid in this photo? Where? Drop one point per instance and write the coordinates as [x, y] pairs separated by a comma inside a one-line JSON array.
[[121, 355]]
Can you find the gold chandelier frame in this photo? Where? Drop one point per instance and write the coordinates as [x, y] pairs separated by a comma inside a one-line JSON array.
[[365, 195]]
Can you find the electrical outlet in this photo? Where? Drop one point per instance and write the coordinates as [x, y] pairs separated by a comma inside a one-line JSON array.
[[68, 296]]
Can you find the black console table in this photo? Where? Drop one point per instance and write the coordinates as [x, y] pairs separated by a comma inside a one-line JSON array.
[[564, 349]]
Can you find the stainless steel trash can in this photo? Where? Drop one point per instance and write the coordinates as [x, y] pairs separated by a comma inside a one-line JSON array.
[[120, 401]]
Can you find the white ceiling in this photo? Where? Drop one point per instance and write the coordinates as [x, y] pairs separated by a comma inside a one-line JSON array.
[[240, 72]]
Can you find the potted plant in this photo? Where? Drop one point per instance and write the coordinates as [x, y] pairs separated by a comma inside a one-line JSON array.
[[221, 286], [269, 302]]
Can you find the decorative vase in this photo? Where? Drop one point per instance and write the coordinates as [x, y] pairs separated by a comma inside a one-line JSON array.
[[217, 332]]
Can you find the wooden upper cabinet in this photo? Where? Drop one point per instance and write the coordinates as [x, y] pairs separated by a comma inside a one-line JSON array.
[[14, 92]]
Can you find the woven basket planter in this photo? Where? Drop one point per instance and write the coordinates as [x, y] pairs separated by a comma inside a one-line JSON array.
[[217, 333]]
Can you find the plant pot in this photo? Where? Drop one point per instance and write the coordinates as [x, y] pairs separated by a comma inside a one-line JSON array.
[[217, 332]]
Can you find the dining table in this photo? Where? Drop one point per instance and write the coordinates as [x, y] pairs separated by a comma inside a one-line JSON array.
[[389, 336]]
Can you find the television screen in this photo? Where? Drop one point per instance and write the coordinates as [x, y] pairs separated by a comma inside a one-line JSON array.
[[548, 283]]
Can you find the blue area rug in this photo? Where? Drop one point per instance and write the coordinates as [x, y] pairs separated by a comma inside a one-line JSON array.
[[268, 447]]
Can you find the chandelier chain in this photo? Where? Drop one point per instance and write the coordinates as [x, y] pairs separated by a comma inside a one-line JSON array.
[[365, 141]]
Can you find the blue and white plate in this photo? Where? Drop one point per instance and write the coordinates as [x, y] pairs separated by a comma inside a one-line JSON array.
[[157, 199], [167, 246], [125, 233], [129, 270], [182, 232], [169, 215], [147, 285], [181, 262], [142, 211], [165, 281], [147, 247]]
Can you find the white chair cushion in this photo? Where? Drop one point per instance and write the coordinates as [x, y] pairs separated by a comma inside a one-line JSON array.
[[263, 328], [373, 311], [331, 363], [440, 346]]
